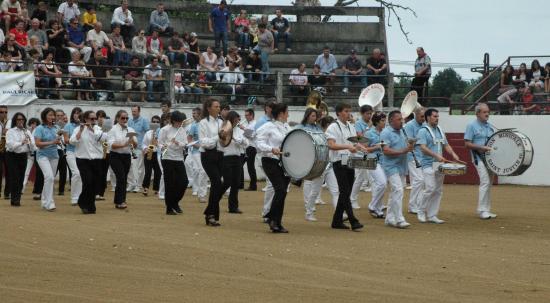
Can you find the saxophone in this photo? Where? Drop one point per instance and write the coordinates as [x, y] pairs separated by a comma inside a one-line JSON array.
[[151, 147], [105, 149]]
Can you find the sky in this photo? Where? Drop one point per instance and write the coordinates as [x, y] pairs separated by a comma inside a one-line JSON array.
[[462, 31]]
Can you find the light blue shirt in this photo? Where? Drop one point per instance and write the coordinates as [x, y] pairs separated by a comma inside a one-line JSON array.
[[263, 120], [194, 132], [141, 126], [424, 137], [478, 133], [327, 66], [395, 139], [362, 127], [69, 128], [310, 127], [411, 128], [46, 133], [374, 138]]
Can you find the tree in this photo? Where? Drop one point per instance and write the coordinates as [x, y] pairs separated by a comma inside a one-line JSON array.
[[402, 87], [446, 83]]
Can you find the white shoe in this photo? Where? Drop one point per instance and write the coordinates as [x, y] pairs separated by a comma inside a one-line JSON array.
[[485, 215], [402, 224], [161, 197], [264, 189], [345, 90], [74, 203], [311, 218], [344, 217], [136, 190], [367, 189], [129, 189], [194, 193], [355, 205], [421, 216], [435, 220], [413, 211], [320, 202], [408, 187], [202, 199]]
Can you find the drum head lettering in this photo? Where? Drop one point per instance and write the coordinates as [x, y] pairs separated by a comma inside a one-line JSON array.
[[510, 153]]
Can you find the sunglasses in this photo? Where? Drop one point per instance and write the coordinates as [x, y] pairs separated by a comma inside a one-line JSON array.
[[123, 118], [93, 119], [3, 112], [156, 121]]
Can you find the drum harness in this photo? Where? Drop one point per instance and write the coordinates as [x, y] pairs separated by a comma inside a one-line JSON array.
[[437, 142], [342, 132], [479, 155]]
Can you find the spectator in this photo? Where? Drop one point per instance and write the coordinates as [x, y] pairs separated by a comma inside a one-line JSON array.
[[220, 60], [506, 79], [34, 44], [194, 51], [56, 40], [232, 77], [233, 56], [123, 17], [39, 33], [7, 64], [376, 67], [133, 78], [522, 76], [281, 29], [17, 53], [241, 27], [41, 13], [100, 74], [264, 19], [298, 81], [547, 78], [203, 82], [121, 53], [219, 24], [353, 71], [40, 84], [253, 31], [21, 36], [155, 48], [89, 18], [67, 11], [536, 74], [317, 79], [2, 37], [160, 21], [265, 45], [11, 11], [422, 72], [76, 40], [139, 46], [24, 16], [180, 87], [98, 40], [51, 75], [80, 77], [208, 62], [253, 66], [528, 99], [328, 65], [153, 75], [176, 50]]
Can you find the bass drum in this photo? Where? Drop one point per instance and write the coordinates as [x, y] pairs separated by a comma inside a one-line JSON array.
[[511, 153], [305, 154]]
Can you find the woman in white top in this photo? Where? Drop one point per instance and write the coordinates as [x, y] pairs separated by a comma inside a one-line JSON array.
[[172, 143], [119, 159], [208, 61], [269, 138], [89, 155], [211, 158], [232, 162], [19, 146]]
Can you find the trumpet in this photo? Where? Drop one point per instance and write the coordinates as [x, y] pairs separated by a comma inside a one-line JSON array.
[[133, 152], [105, 146], [29, 153], [61, 143]]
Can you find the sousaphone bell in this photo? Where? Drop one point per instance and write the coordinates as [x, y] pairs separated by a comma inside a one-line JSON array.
[[373, 95], [410, 104]]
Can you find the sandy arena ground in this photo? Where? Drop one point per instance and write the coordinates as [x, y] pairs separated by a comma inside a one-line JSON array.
[[142, 255]]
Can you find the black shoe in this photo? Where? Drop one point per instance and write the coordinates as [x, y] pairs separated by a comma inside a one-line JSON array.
[[61, 193], [178, 210], [36, 197], [251, 189], [274, 226], [7, 198], [87, 211], [235, 211], [339, 226], [266, 220], [282, 229], [356, 225], [211, 221], [16, 204], [171, 212]]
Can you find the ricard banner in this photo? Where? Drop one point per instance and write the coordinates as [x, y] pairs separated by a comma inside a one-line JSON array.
[[17, 88]]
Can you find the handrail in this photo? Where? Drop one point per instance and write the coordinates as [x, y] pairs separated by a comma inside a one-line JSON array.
[[486, 78]]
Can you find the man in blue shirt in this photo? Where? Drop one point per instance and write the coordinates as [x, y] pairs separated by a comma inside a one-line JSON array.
[[415, 173], [199, 177], [76, 41], [361, 175], [475, 138], [394, 162], [432, 141], [141, 126], [219, 24]]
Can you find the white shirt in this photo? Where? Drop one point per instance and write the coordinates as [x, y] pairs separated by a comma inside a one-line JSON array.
[[339, 132], [117, 135], [237, 145], [175, 149], [298, 78], [89, 145], [230, 77], [271, 135], [148, 140], [250, 128], [209, 133], [100, 39], [151, 71], [14, 140], [78, 70], [68, 12], [120, 17]]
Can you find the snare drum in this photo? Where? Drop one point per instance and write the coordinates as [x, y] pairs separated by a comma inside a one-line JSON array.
[[305, 154], [511, 153], [452, 169], [362, 162]]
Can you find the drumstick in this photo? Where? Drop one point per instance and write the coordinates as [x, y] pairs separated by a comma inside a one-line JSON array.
[[461, 162]]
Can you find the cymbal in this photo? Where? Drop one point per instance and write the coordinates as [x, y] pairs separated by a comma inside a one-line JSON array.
[[358, 139]]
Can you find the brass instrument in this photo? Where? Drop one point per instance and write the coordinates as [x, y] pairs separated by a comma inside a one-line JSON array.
[[183, 124], [61, 144], [105, 146], [315, 100], [150, 150], [29, 145], [151, 147], [412, 141]]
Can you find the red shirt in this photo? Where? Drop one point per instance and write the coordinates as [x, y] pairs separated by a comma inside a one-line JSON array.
[[528, 101], [20, 37]]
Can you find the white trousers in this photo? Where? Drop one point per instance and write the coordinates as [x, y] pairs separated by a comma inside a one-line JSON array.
[[394, 212], [76, 181], [485, 183], [86, 52], [188, 163], [268, 197], [48, 167], [361, 175], [30, 163], [312, 189], [200, 179], [137, 171], [378, 188], [416, 177], [433, 182]]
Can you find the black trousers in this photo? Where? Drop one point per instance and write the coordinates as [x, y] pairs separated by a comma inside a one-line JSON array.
[[274, 172], [232, 167], [120, 164], [89, 170], [101, 185], [241, 179], [211, 161], [175, 183], [345, 177], [150, 166], [4, 173], [17, 163], [417, 85], [250, 165], [62, 169], [38, 178]]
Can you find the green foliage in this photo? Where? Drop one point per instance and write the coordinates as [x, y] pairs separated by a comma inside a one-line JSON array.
[[402, 87], [446, 83]]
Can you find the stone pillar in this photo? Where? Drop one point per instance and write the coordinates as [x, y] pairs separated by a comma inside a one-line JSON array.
[[279, 87], [391, 90]]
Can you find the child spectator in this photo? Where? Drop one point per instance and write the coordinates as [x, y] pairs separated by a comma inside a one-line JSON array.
[[20, 34], [89, 18]]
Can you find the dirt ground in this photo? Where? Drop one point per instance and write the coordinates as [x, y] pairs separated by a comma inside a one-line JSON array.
[[142, 255]]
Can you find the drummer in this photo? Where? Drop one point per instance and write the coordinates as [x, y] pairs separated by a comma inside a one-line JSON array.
[[432, 141], [476, 136], [378, 176], [362, 127]]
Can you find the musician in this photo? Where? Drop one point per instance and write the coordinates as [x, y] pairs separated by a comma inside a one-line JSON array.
[[269, 138], [140, 126], [102, 184], [476, 136], [151, 165], [19, 145], [432, 142], [250, 152], [88, 151], [328, 175], [394, 163], [172, 141], [32, 124], [4, 126], [120, 156], [38, 175], [415, 173], [76, 181], [362, 127], [47, 141], [376, 204], [268, 189], [232, 163], [164, 120], [60, 122], [199, 178], [340, 150], [211, 158]]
